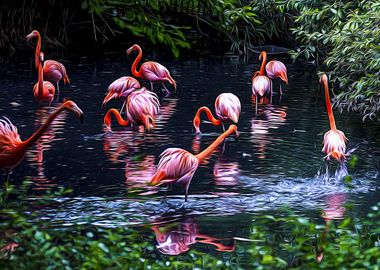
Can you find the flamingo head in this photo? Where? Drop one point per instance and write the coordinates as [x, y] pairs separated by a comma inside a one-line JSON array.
[[109, 96], [134, 47], [72, 106], [323, 79], [262, 55], [33, 34], [334, 144]]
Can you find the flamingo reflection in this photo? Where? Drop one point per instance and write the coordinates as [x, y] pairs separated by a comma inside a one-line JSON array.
[[334, 210], [226, 173], [274, 118], [176, 238], [36, 154]]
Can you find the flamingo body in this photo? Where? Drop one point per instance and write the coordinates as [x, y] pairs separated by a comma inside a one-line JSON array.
[[142, 108], [276, 69], [260, 85], [55, 71], [151, 71], [47, 93], [121, 88], [228, 107]]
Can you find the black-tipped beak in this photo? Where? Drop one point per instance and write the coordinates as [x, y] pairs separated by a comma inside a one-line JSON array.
[[81, 118]]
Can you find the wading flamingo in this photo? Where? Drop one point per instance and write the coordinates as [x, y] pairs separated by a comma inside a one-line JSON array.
[[142, 108], [227, 107], [43, 91], [276, 69], [151, 71], [334, 141], [53, 70], [121, 89], [12, 148], [261, 84], [178, 166]]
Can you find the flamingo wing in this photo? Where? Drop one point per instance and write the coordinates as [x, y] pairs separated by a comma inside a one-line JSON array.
[[9, 137], [54, 70], [154, 71], [228, 106]]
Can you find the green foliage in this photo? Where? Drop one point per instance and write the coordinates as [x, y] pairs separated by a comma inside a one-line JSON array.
[[287, 242], [344, 36]]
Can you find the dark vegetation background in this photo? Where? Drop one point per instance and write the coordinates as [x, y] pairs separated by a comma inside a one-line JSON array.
[[341, 37]]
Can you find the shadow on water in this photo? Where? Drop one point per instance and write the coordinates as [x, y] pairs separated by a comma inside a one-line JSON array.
[[276, 161]]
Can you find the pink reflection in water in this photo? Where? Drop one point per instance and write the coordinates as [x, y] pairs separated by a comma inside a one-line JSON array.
[[274, 118], [176, 238], [226, 173], [36, 154]]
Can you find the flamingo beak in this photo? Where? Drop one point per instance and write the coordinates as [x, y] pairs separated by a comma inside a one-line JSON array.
[[81, 118], [30, 36]]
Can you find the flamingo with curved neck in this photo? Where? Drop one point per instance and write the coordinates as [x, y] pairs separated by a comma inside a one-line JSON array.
[[227, 107], [43, 91], [261, 84], [13, 149], [53, 70], [142, 108], [277, 69], [334, 140], [151, 71], [177, 165]]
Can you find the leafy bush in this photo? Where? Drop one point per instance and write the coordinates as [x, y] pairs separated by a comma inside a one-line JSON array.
[[344, 36]]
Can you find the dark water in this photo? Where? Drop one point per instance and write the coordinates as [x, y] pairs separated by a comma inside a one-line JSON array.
[[276, 161]]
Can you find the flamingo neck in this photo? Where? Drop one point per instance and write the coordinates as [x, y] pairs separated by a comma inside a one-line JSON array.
[[211, 118], [136, 73], [208, 151], [40, 79], [116, 114], [38, 50], [34, 138], [263, 63], [328, 105]]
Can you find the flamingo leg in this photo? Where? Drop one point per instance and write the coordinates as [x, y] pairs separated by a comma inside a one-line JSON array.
[[256, 103], [167, 91], [271, 91], [57, 89], [224, 129], [151, 86], [187, 190], [122, 107], [6, 178], [280, 89]]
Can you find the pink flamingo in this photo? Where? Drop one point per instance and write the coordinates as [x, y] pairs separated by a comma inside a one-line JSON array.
[[53, 70], [142, 108], [151, 71], [276, 69], [334, 141], [227, 107], [261, 84], [121, 89], [13, 149], [43, 91], [178, 166]]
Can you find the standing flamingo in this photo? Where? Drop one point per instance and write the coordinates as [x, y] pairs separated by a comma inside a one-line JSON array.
[[178, 166], [53, 70], [142, 108], [121, 89], [227, 107], [12, 148], [334, 141], [151, 71], [43, 91], [261, 84], [276, 69]]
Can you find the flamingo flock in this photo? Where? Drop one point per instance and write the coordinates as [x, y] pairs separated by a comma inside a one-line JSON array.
[[140, 108]]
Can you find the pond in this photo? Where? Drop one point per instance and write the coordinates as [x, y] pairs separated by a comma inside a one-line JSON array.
[[276, 161]]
